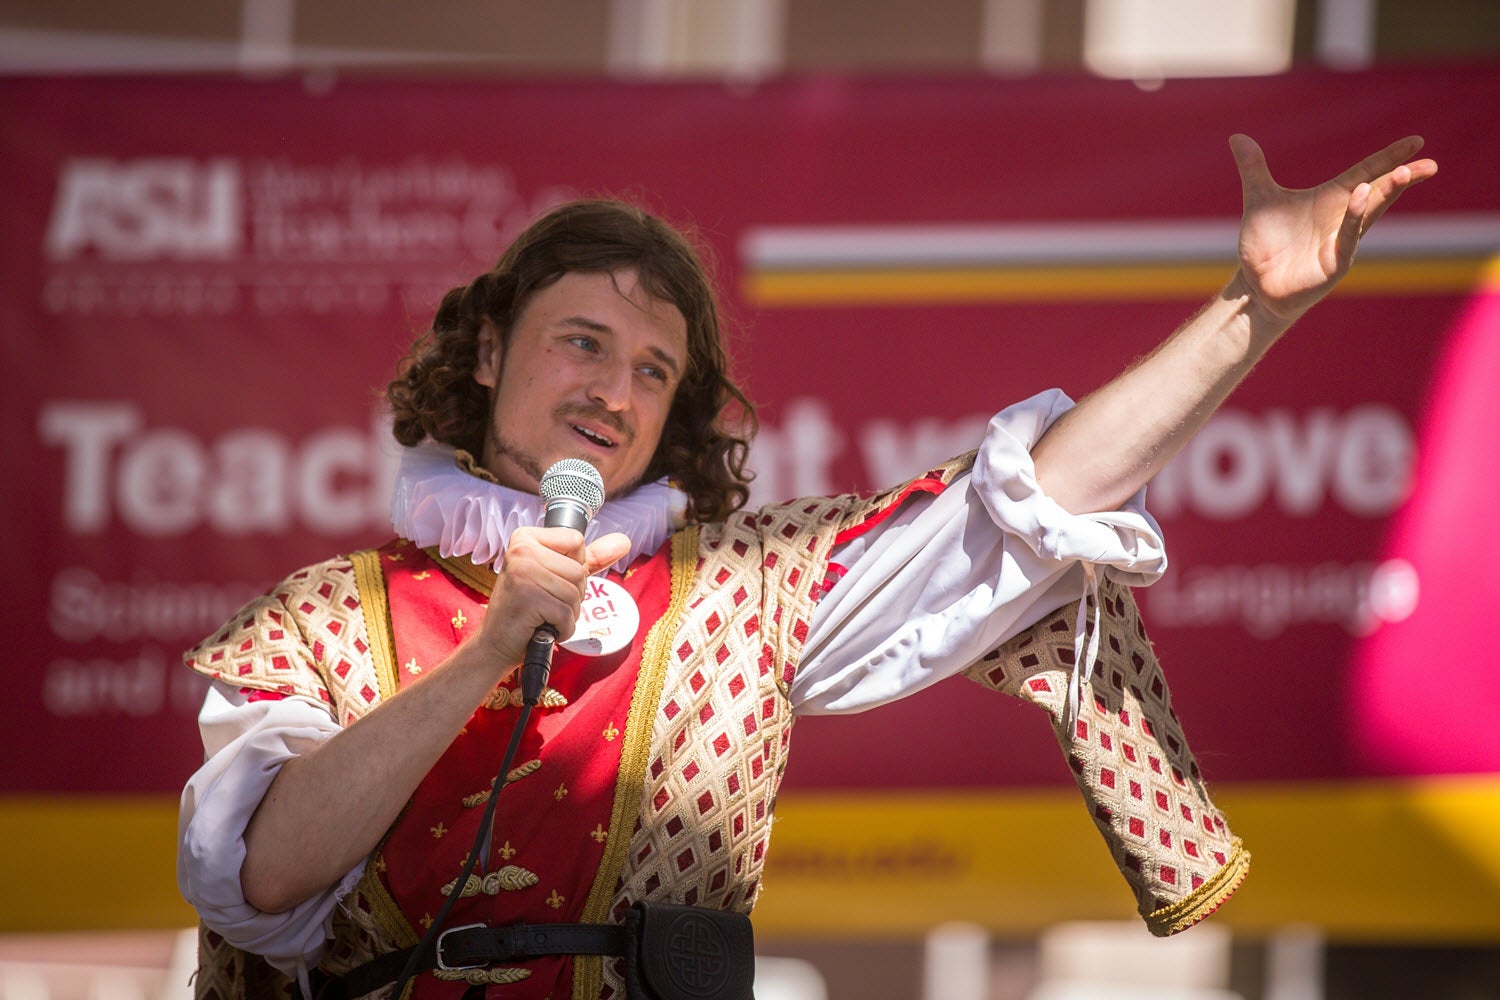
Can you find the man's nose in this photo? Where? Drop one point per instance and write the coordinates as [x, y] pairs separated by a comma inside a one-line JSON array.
[[610, 387]]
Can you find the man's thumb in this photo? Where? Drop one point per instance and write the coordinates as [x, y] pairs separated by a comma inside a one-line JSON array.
[[606, 550]]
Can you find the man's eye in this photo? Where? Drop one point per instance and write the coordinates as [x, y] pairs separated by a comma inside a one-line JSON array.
[[651, 371], [586, 343]]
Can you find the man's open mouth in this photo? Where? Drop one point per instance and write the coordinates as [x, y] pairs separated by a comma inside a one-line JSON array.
[[593, 436]]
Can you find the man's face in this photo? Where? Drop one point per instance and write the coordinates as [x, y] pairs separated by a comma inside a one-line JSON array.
[[589, 371]]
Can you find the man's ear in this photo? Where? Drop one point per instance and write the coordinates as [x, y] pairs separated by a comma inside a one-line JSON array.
[[489, 354]]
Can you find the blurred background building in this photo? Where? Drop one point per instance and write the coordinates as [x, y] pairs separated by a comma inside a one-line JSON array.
[[1139, 38], [1146, 41]]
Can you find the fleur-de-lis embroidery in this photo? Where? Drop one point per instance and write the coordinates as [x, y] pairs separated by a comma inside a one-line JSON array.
[[426, 921], [562, 790], [506, 851], [459, 621], [424, 574], [556, 900], [413, 666], [439, 830], [610, 732], [598, 833]]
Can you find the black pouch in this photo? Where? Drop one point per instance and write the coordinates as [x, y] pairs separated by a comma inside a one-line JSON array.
[[689, 953]]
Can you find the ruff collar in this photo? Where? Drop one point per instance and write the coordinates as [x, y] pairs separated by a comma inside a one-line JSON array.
[[438, 502]]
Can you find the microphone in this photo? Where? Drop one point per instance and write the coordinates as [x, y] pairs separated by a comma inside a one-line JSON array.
[[572, 492]]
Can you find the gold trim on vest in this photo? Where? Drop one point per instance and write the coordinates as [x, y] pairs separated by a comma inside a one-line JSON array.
[[369, 580], [588, 971]]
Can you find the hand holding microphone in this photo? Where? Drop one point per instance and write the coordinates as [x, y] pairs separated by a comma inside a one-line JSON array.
[[572, 491], [541, 578]]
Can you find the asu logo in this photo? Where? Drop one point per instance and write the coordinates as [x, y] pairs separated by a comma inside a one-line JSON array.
[[146, 208]]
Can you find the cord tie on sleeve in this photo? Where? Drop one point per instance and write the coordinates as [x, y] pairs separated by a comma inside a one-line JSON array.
[[1085, 644]]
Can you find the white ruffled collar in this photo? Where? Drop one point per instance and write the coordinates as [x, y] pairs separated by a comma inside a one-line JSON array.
[[435, 502]]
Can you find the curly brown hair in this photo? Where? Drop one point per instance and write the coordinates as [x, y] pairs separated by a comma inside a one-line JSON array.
[[709, 427]]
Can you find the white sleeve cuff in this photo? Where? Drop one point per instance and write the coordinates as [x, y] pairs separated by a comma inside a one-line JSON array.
[[247, 742], [947, 578], [1126, 543]]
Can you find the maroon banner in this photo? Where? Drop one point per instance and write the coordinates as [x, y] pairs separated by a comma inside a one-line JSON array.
[[208, 281]]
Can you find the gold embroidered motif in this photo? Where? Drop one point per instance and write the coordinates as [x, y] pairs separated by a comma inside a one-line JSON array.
[[562, 790], [511, 878], [424, 574], [482, 977], [397, 557], [598, 833], [439, 830], [459, 621], [506, 851], [610, 732], [413, 666], [516, 774], [426, 921], [556, 900], [506, 697]]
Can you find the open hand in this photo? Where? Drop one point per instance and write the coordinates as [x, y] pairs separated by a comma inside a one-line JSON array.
[[1295, 244]]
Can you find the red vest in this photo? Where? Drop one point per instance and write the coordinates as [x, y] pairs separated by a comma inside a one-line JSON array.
[[553, 816]]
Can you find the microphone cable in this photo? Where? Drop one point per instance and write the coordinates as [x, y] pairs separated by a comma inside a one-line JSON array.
[[477, 852]]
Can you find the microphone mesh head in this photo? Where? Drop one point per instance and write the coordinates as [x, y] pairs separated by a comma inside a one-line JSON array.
[[576, 480]]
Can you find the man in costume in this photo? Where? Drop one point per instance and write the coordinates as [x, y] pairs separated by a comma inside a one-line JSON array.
[[358, 710]]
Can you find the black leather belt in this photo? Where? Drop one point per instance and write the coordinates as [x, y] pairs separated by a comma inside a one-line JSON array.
[[672, 952], [476, 945]]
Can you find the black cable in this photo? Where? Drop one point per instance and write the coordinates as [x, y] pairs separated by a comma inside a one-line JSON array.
[[481, 844]]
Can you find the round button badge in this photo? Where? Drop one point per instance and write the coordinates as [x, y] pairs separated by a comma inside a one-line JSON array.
[[607, 621]]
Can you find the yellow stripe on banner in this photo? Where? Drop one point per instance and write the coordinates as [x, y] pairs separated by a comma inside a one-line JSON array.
[[956, 286], [1367, 861], [1414, 860], [89, 863]]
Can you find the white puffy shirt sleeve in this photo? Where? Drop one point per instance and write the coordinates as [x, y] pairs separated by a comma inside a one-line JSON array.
[[246, 742], [948, 577]]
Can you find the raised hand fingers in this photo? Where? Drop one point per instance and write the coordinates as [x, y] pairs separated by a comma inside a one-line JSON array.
[[1386, 160], [1369, 200], [1385, 189]]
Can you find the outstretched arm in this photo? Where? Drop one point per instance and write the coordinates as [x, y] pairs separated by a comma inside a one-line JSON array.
[[1294, 246]]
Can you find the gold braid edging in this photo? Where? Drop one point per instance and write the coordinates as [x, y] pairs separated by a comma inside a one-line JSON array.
[[383, 908], [376, 607], [588, 970], [474, 576], [1203, 900]]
